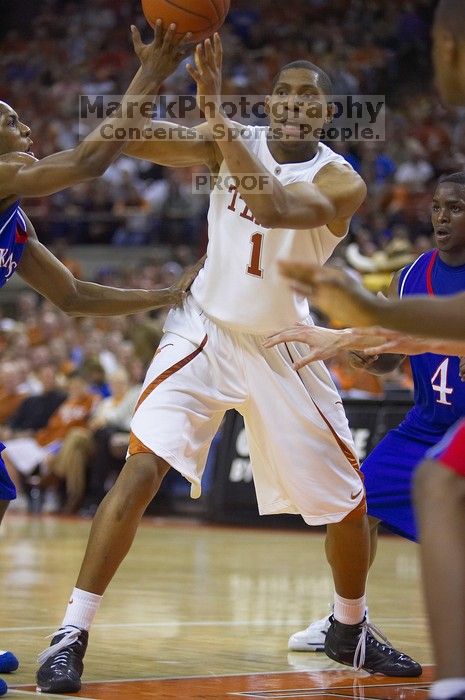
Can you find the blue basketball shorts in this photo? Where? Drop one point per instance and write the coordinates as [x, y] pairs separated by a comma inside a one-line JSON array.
[[388, 472], [7, 487]]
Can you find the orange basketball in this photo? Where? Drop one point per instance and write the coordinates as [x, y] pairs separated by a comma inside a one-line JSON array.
[[200, 17]]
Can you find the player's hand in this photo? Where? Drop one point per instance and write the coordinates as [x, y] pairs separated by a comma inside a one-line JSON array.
[[208, 59], [181, 287], [324, 342], [162, 56], [335, 292], [359, 359], [396, 342]]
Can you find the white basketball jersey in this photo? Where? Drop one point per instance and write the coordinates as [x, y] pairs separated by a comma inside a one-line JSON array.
[[240, 286]]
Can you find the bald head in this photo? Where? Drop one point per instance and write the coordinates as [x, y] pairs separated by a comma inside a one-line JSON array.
[[14, 135]]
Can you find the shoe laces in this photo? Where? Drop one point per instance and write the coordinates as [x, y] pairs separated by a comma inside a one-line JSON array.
[[70, 635], [369, 630]]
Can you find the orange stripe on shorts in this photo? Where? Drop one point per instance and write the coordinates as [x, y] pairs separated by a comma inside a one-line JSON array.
[[360, 509], [135, 445], [348, 454]]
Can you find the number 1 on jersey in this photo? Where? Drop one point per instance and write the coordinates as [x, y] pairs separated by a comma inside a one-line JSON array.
[[442, 388], [253, 268]]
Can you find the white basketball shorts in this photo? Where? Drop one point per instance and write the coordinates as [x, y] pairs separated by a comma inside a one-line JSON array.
[[302, 452]]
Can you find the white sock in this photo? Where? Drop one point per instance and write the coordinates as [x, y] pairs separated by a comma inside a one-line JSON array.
[[82, 608], [347, 611], [447, 688]]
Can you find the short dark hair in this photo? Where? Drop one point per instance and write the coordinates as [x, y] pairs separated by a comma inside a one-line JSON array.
[[455, 178], [324, 81], [450, 14]]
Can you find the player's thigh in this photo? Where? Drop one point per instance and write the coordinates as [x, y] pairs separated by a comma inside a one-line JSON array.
[[302, 454], [182, 403], [388, 470]]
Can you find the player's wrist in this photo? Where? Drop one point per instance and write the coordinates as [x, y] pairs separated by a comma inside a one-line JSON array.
[[345, 337]]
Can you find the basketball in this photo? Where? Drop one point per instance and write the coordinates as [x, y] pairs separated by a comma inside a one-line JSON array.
[[200, 17]]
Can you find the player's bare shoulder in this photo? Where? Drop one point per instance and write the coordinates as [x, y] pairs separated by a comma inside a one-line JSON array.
[[10, 163]]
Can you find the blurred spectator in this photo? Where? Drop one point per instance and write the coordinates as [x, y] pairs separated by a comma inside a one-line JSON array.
[[416, 170], [26, 454], [108, 432], [12, 392], [34, 412]]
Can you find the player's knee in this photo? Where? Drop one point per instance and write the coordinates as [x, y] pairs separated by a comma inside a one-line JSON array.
[[141, 478]]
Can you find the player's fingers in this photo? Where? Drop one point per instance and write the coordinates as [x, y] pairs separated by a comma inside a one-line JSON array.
[[282, 337], [209, 55], [194, 74], [199, 58], [379, 349], [357, 362], [390, 347], [218, 50], [136, 39], [169, 38], [314, 356], [271, 342], [158, 32], [183, 41]]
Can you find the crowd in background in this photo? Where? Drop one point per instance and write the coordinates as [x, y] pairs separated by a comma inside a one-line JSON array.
[[71, 48], [378, 48]]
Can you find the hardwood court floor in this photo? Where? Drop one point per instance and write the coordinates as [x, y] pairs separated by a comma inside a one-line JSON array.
[[202, 612]]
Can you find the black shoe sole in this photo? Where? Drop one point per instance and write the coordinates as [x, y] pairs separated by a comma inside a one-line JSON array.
[[59, 689]]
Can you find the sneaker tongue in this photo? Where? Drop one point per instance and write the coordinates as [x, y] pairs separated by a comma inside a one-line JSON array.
[[68, 635]]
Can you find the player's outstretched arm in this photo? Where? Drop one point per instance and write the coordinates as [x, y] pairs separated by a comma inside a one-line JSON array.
[[91, 157], [48, 276], [398, 342], [347, 303], [324, 343], [176, 146], [382, 362]]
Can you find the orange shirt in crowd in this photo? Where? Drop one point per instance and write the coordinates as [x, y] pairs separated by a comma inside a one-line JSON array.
[[72, 413], [9, 402]]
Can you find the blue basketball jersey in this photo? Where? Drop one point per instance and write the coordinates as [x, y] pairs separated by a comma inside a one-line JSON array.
[[439, 391], [13, 238]]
